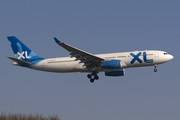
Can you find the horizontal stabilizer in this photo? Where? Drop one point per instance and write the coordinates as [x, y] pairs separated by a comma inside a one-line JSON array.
[[20, 61]]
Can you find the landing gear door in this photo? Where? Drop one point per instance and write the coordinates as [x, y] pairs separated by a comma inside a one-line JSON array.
[[156, 54]]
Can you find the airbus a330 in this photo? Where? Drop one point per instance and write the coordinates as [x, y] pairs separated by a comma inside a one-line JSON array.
[[113, 64]]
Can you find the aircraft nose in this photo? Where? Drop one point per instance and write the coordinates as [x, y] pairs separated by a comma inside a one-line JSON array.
[[171, 57]]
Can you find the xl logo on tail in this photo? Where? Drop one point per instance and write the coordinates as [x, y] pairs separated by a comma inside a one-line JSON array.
[[21, 55], [136, 57]]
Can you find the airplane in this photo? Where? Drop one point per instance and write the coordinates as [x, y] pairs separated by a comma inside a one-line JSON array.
[[113, 64]]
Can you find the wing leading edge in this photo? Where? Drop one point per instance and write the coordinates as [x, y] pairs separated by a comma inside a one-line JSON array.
[[88, 59]]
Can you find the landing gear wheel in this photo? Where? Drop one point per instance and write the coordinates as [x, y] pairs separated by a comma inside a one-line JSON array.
[[96, 77], [155, 66], [91, 80], [93, 76], [89, 76]]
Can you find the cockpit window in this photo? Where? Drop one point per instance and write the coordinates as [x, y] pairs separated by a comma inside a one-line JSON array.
[[165, 53]]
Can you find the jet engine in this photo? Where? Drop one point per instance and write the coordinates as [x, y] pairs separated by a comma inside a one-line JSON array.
[[113, 64], [120, 72]]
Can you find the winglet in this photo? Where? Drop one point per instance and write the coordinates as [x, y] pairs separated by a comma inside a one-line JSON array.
[[57, 41]]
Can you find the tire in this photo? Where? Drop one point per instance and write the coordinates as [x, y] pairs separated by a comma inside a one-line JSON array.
[[91, 80], [96, 77], [89, 76]]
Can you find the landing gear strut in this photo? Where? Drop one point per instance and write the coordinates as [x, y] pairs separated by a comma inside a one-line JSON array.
[[93, 76], [155, 66]]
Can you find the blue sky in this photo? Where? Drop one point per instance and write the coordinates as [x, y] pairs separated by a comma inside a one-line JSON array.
[[96, 26]]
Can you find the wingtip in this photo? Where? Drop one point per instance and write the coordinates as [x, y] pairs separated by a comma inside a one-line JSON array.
[[56, 40]]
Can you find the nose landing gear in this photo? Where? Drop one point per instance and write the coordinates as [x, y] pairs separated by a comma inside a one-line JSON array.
[[155, 66], [93, 76]]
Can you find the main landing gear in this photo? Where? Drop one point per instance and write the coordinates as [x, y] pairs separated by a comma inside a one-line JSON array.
[[155, 66], [93, 76]]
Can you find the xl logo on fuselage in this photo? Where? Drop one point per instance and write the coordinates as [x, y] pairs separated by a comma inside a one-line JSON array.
[[21, 55], [136, 57]]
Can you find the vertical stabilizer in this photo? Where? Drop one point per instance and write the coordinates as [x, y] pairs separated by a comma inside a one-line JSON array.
[[21, 51]]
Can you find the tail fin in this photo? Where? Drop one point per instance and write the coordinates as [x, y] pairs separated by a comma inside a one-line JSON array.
[[21, 51]]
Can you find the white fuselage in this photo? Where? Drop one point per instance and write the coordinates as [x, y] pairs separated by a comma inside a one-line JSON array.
[[128, 59]]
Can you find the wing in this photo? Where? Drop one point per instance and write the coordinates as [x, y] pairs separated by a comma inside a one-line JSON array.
[[85, 57]]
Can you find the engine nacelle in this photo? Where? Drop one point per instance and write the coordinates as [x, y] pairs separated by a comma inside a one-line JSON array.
[[113, 64], [119, 72]]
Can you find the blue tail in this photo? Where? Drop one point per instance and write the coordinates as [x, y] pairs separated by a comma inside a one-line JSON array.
[[22, 52]]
